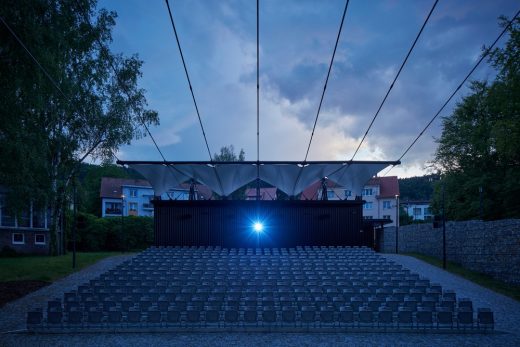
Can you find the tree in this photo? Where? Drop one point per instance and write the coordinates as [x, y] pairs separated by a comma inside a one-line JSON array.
[[92, 105], [227, 153], [478, 148]]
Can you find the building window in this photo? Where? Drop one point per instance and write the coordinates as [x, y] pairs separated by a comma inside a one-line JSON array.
[[330, 194], [387, 205], [367, 192], [18, 239], [386, 216], [7, 219], [367, 205], [25, 219], [427, 211], [38, 218], [113, 207], [133, 206], [348, 193], [416, 211], [39, 239], [133, 193]]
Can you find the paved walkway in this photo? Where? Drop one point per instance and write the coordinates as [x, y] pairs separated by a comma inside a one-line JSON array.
[[507, 316]]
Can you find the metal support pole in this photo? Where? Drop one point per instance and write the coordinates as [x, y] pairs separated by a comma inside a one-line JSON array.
[[397, 224], [123, 222], [481, 206], [443, 227], [74, 223]]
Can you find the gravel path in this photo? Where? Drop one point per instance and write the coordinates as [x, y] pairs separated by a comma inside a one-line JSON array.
[[507, 315], [506, 310]]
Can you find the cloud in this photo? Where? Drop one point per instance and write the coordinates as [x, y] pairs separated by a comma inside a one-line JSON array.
[[297, 38]]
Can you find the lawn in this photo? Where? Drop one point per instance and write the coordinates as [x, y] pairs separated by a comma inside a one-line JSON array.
[[511, 290], [46, 268]]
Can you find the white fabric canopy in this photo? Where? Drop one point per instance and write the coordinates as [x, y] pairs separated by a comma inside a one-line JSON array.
[[224, 178]]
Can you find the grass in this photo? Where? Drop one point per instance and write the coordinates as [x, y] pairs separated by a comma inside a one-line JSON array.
[[46, 268], [511, 290]]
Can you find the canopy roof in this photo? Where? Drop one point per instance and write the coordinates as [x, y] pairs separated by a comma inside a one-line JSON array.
[[225, 177]]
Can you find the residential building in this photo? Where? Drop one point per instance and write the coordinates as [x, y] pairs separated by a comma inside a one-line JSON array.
[[379, 195], [26, 231], [418, 210], [265, 193], [133, 197]]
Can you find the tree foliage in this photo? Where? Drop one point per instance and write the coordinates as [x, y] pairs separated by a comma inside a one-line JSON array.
[[227, 153], [417, 188], [478, 148], [92, 106]]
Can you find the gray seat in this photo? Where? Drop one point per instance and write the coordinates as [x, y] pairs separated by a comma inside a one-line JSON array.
[[34, 317], [230, 315], [269, 315], [308, 315], [153, 316], [424, 316], [384, 316], [94, 316], [54, 316], [464, 317], [173, 315], [133, 316], [485, 318], [365, 316], [444, 317], [74, 316], [346, 315], [212, 315], [288, 314], [250, 315], [326, 315], [404, 316]]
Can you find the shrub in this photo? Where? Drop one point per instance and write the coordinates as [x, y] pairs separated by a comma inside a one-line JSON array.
[[112, 233]]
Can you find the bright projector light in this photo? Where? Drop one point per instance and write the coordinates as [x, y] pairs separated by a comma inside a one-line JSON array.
[[258, 227]]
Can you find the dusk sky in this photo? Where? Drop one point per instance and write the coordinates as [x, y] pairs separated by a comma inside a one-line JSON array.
[[296, 43]]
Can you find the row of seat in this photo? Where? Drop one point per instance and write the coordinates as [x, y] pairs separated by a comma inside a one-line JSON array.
[[318, 287]]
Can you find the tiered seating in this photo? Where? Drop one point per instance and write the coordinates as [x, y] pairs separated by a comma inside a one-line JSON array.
[[304, 288]]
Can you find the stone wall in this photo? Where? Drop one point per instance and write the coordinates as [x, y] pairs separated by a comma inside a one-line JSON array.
[[489, 247]]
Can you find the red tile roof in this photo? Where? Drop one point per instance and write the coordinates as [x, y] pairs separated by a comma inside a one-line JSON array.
[[388, 187], [111, 187]]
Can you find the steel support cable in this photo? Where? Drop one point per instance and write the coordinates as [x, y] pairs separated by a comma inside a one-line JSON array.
[[191, 91], [391, 86], [123, 87], [323, 91], [396, 77], [327, 79], [258, 99], [482, 57]]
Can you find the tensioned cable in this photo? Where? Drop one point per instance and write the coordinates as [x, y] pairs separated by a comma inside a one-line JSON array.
[[396, 77], [188, 78], [258, 80], [327, 79], [258, 99], [125, 90], [192, 93], [323, 91], [483, 56]]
